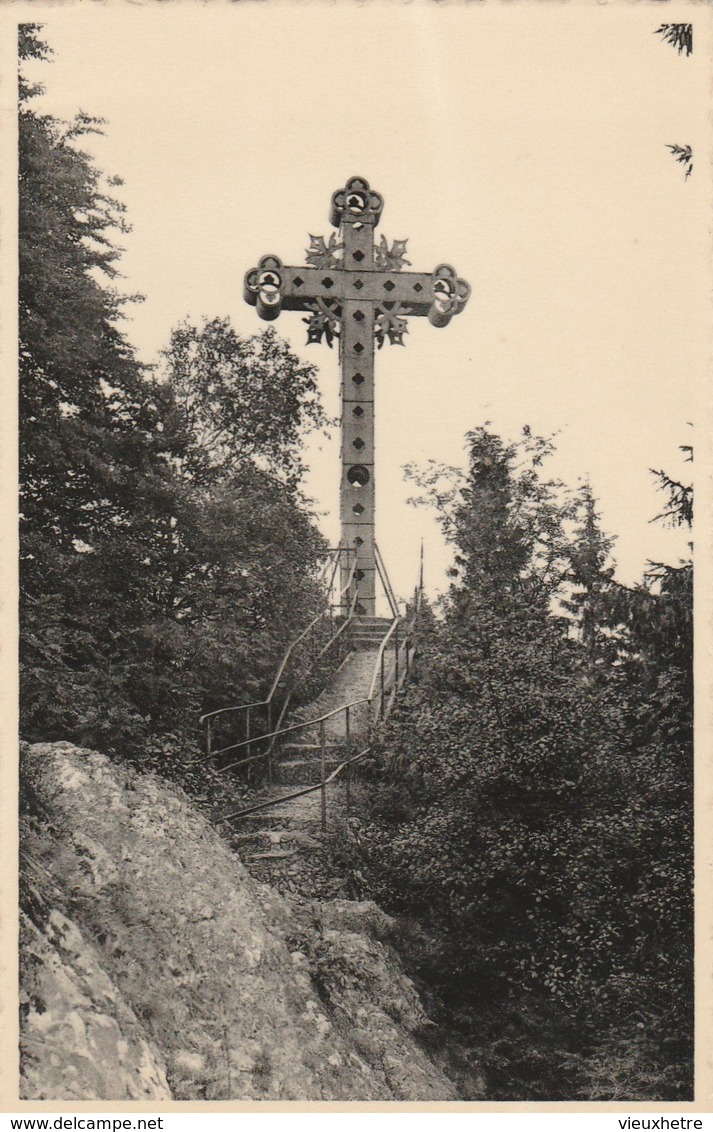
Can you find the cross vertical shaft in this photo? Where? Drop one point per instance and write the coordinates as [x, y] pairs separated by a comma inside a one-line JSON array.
[[357, 493]]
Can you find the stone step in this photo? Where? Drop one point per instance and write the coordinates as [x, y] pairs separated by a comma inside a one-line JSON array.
[[360, 644], [274, 838], [273, 819], [278, 818], [361, 639], [310, 748], [303, 772], [273, 855]]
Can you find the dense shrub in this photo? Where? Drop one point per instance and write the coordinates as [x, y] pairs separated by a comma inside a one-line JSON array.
[[532, 800]]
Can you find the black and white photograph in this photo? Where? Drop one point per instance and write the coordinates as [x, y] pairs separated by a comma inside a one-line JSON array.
[[362, 363]]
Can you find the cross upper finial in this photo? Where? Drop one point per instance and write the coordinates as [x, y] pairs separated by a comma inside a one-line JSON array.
[[356, 203]]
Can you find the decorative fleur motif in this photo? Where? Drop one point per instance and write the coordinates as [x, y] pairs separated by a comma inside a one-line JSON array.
[[390, 323], [684, 155], [390, 258], [320, 254], [323, 322]]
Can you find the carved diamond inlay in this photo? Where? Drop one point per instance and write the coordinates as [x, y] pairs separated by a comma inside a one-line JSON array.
[[358, 348], [357, 411], [358, 444], [358, 508], [388, 285], [358, 256], [359, 316], [358, 378], [327, 282], [359, 284]]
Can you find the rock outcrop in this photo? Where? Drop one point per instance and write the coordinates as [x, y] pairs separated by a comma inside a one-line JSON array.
[[155, 967], [80, 1039]]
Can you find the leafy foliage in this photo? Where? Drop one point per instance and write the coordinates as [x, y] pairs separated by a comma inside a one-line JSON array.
[[532, 795], [167, 554], [237, 401], [591, 582]]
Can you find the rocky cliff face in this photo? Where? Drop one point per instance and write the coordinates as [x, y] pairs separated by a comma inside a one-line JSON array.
[[155, 967]]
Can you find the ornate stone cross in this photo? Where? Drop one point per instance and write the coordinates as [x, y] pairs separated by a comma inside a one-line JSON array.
[[356, 291]]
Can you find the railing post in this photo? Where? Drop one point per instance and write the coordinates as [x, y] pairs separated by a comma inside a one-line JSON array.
[[347, 735], [271, 748], [396, 662], [381, 698], [322, 759], [247, 731], [208, 738]]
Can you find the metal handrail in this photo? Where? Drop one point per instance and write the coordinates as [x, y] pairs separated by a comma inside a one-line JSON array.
[[304, 633], [335, 561], [283, 731], [320, 721], [292, 727], [280, 731], [379, 657], [332, 559], [388, 590], [293, 644], [295, 793], [344, 625], [389, 685], [267, 703]]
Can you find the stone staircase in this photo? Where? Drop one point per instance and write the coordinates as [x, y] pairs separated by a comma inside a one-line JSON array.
[[282, 844], [368, 632]]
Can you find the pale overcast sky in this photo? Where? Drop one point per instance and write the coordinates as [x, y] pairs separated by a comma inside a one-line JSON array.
[[526, 146]]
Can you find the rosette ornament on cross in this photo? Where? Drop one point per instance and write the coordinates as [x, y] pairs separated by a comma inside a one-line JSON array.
[[357, 291]]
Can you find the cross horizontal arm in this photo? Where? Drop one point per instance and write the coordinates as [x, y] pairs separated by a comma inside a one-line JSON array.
[[273, 287], [414, 288]]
